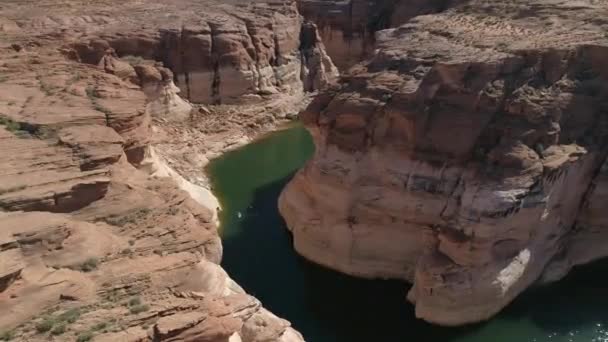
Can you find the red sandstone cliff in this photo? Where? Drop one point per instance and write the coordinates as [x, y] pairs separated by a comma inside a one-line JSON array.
[[348, 27], [465, 156], [99, 238]]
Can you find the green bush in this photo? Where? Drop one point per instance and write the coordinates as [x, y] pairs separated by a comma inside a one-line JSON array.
[[58, 329], [70, 316], [139, 308], [45, 325], [134, 301], [57, 325], [84, 336], [10, 125], [7, 335], [100, 326], [89, 265]]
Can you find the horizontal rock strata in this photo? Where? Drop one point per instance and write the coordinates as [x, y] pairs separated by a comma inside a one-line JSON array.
[[348, 27], [465, 156], [99, 238], [219, 53]]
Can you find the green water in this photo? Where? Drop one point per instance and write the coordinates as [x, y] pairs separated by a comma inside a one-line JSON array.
[[328, 307]]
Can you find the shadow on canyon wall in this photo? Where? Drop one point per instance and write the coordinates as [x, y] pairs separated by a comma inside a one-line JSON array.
[[330, 307], [568, 305]]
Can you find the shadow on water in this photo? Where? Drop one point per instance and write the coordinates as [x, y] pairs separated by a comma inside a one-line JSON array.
[[324, 305], [573, 309], [329, 307]]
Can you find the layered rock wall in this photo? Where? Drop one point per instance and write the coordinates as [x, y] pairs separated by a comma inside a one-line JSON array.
[[348, 27], [226, 56], [94, 225], [465, 157]]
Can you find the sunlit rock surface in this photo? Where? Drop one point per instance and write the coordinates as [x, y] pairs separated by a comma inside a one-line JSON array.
[[465, 156]]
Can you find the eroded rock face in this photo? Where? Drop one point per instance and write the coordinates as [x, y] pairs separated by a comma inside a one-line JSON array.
[[92, 221], [219, 53], [348, 27], [465, 157]]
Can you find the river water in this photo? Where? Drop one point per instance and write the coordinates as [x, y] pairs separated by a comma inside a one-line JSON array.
[[329, 307]]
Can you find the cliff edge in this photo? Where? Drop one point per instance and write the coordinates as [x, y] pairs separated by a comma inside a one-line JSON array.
[[466, 156], [101, 238]]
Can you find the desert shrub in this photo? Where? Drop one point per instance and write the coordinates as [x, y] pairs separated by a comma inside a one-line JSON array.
[[7, 335], [139, 308], [89, 265], [70, 316], [134, 301], [10, 125], [100, 326], [45, 325], [84, 336], [58, 329]]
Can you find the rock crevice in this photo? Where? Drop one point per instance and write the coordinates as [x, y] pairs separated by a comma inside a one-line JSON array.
[[225, 56], [94, 221], [461, 157]]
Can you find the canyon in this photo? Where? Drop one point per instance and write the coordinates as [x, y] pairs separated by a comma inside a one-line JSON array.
[[108, 113], [348, 28], [460, 146], [467, 156]]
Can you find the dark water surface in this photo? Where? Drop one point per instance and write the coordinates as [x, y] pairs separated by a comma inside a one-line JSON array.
[[329, 307]]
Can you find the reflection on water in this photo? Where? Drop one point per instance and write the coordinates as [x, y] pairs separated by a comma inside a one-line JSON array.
[[329, 307]]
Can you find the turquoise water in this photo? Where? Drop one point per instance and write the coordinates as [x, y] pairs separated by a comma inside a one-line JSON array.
[[329, 307]]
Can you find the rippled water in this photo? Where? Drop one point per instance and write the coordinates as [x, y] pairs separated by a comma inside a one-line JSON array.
[[329, 307]]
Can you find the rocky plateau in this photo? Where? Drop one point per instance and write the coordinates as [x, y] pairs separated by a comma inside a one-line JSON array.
[[348, 28], [109, 111], [466, 155], [463, 149]]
